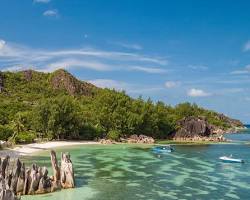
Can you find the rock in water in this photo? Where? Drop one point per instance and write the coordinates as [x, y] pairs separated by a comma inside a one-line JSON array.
[[15, 175], [67, 172], [21, 180], [56, 170], [35, 178], [4, 166], [45, 182]]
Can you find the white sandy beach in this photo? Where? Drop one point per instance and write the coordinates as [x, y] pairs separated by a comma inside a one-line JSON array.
[[29, 149]]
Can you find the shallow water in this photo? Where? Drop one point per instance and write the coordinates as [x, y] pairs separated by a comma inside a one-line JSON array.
[[117, 172]]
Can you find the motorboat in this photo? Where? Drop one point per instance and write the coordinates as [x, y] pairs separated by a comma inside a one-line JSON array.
[[163, 149], [230, 159]]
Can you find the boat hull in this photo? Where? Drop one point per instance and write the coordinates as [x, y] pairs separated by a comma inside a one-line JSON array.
[[161, 150], [231, 160]]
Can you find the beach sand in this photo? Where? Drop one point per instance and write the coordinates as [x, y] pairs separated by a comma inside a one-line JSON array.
[[29, 149]]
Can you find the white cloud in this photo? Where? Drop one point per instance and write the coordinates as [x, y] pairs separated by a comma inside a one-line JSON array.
[[74, 63], [13, 68], [41, 1], [150, 70], [245, 70], [51, 13], [246, 46], [197, 93], [2, 44], [171, 84], [100, 60]]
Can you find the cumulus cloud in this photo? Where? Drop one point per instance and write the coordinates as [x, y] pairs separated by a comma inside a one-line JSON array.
[[246, 46], [51, 13], [171, 84], [41, 1], [197, 93]]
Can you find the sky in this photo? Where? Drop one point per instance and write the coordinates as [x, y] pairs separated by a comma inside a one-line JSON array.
[[170, 51]]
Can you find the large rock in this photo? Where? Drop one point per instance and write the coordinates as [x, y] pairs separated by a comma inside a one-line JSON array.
[[67, 172], [192, 127], [63, 80], [27, 75], [21, 181], [56, 185], [233, 123], [45, 182]]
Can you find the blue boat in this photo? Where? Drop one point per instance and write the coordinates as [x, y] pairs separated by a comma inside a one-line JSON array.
[[163, 149], [230, 159]]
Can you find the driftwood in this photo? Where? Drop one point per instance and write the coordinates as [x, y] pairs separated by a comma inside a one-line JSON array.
[[34, 180]]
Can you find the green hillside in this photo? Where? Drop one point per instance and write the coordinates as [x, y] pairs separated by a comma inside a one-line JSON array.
[[58, 106]]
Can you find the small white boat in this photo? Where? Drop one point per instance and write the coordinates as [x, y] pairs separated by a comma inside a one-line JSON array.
[[229, 159]]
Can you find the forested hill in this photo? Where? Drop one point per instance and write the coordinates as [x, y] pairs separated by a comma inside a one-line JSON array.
[[57, 105]]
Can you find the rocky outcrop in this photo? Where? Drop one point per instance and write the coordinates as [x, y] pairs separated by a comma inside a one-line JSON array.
[[67, 172], [193, 126], [27, 75], [35, 180], [107, 141], [141, 139], [233, 123], [1, 82], [62, 80], [198, 129]]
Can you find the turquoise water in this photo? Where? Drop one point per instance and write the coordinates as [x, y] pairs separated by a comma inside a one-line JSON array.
[[117, 172]]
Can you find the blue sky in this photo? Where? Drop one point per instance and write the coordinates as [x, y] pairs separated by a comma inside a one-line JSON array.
[[174, 51]]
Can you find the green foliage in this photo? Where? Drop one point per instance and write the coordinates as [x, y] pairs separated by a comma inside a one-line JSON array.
[[29, 106], [113, 135], [25, 137], [5, 132]]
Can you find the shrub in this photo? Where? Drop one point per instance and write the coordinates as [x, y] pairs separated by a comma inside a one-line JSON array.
[[5, 132], [25, 137], [113, 135], [90, 132]]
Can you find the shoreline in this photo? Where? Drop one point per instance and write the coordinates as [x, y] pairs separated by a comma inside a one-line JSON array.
[[33, 148]]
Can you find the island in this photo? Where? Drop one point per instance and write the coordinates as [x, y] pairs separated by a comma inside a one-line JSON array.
[[37, 106]]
